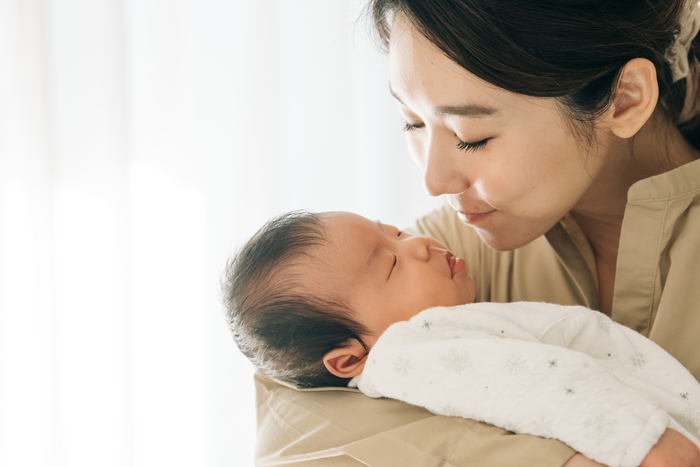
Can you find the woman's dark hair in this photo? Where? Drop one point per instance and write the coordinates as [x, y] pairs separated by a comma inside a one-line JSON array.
[[572, 50], [278, 324]]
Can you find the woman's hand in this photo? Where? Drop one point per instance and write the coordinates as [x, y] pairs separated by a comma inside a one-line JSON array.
[[673, 449]]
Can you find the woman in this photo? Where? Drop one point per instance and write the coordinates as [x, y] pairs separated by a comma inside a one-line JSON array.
[[564, 134]]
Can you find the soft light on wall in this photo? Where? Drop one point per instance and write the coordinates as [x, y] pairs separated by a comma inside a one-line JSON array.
[[141, 142]]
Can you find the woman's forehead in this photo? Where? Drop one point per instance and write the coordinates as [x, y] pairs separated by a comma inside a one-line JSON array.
[[423, 78]]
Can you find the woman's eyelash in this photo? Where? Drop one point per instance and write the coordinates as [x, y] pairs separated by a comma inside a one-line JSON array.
[[464, 146], [400, 232], [409, 126]]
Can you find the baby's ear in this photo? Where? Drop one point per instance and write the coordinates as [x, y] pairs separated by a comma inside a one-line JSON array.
[[346, 361]]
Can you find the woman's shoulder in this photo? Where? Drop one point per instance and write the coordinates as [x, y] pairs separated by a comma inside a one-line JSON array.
[[534, 272], [656, 288]]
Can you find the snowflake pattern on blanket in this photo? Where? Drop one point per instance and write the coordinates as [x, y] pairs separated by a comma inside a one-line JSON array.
[[522, 366]]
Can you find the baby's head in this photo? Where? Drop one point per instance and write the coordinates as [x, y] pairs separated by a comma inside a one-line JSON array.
[[310, 294]]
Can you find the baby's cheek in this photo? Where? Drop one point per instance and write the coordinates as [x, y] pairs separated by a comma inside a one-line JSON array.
[[446, 297]]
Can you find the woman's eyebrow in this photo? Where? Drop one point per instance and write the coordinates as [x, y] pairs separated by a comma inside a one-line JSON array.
[[464, 110]]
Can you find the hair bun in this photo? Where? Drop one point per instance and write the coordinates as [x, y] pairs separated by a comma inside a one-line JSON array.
[[677, 53]]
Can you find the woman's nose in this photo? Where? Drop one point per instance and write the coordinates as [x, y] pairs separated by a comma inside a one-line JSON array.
[[442, 172]]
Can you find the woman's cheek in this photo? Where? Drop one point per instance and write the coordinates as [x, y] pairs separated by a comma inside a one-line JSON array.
[[415, 149], [499, 184]]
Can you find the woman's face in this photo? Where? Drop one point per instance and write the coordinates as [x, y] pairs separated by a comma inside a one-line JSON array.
[[509, 164]]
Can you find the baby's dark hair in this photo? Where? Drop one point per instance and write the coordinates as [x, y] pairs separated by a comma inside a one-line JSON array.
[[277, 323]]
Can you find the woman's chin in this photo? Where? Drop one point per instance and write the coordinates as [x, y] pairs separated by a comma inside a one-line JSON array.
[[505, 239]]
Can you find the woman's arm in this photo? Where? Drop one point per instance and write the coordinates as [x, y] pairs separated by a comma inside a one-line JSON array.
[[672, 450], [338, 427]]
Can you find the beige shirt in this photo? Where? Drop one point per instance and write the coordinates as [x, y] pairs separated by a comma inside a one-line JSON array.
[[657, 293]]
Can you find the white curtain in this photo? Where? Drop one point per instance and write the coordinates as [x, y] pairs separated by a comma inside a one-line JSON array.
[[141, 142]]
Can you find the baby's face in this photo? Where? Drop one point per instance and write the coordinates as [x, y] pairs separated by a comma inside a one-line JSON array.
[[387, 275]]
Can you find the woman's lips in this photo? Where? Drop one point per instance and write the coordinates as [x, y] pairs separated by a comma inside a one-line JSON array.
[[475, 217]]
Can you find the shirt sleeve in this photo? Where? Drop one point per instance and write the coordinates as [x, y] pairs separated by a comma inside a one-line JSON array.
[[343, 427]]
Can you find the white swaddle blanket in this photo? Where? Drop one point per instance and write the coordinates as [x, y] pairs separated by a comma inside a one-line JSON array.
[[553, 371]]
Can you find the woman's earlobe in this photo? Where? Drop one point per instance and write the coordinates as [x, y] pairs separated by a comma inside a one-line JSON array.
[[346, 361], [635, 99]]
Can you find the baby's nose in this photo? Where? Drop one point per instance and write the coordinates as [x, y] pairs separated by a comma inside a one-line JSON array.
[[420, 246]]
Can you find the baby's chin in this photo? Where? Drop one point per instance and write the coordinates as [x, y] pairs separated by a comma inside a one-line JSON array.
[[454, 303]]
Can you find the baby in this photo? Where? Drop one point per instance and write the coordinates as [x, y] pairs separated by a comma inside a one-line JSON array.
[[334, 299]]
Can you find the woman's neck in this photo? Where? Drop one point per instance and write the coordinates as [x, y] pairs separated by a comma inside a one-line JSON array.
[[657, 148]]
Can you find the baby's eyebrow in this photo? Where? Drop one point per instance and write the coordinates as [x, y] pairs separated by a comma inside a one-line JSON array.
[[375, 249], [372, 255]]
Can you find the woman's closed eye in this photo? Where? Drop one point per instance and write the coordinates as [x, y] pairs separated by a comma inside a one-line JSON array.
[[465, 146], [392, 267], [412, 126], [462, 145]]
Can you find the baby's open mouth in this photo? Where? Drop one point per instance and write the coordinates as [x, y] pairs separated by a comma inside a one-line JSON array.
[[456, 264], [451, 263]]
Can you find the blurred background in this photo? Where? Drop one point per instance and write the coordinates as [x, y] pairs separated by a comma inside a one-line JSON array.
[[141, 142]]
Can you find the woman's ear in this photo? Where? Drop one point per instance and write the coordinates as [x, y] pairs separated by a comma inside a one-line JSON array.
[[346, 361], [636, 98]]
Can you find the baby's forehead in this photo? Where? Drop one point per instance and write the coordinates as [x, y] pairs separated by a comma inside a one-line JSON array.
[[323, 273], [348, 241], [347, 234]]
